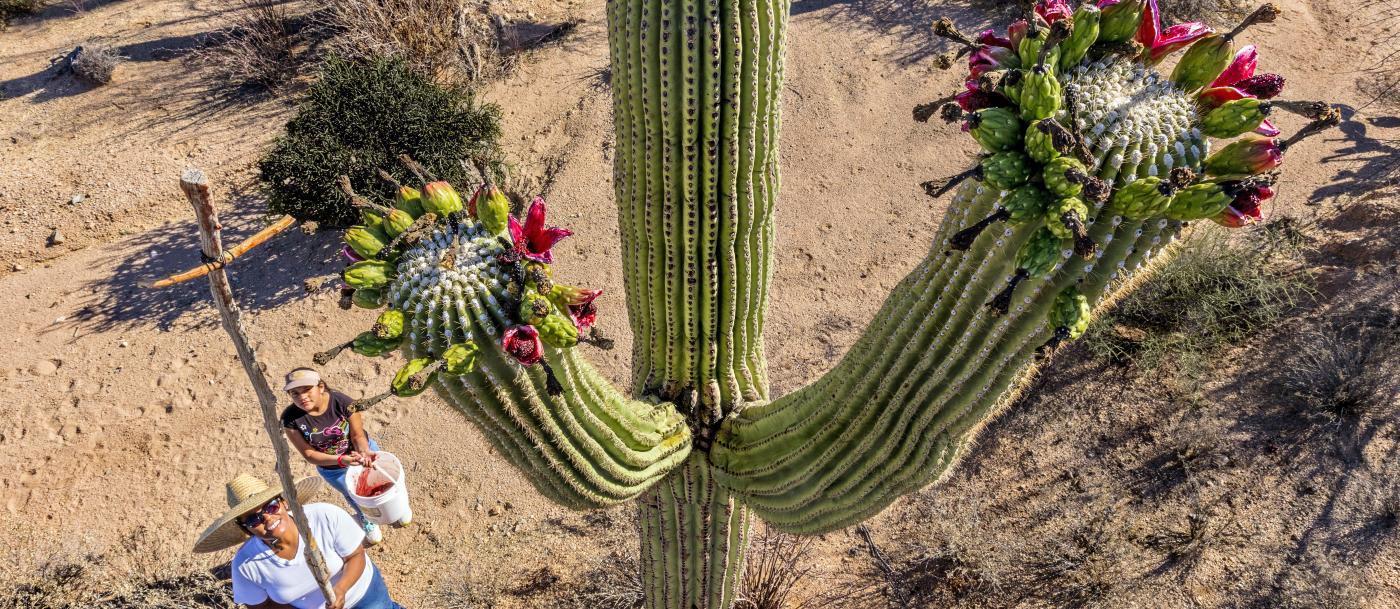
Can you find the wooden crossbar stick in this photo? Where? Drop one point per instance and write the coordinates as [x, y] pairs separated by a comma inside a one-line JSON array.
[[226, 257], [196, 188]]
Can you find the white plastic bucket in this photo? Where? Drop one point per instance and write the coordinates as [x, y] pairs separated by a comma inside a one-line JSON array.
[[389, 507]]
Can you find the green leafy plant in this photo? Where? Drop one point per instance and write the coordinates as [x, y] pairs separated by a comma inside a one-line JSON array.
[[358, 117]]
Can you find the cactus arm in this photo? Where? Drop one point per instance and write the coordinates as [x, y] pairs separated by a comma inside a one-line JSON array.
[[588, 446], [932, 366]]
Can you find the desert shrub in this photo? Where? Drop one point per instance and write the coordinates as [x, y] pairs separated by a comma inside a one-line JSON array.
[[1213, 293], [10, 9], [1345, 369], [357, 118], [95, 63], [442, 38], [256, 47]]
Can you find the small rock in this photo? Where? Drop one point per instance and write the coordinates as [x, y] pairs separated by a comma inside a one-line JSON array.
[[44, 367], [76, 199], [508, 505], [56, 237], [494, 511], [123, 344], [17, 267]]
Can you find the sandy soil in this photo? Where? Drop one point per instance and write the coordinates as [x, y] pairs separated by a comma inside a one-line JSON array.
[[122, 407]]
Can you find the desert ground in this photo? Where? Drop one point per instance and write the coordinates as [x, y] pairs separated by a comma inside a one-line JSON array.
[[123, 410]]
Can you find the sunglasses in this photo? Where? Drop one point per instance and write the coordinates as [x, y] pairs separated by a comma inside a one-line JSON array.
[[257, 517]]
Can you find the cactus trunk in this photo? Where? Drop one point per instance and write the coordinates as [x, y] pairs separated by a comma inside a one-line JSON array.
[[695, 114]]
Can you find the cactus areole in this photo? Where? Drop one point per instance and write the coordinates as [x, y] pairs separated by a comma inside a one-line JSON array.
[[1094, 162]]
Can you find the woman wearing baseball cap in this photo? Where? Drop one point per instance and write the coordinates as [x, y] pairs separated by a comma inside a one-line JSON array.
[[270, 568], [321, 427]]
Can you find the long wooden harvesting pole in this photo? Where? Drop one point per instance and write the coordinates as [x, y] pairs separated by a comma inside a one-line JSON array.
[[196, 188]]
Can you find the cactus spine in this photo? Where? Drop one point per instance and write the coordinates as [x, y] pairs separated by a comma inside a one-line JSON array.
[[1029, 245]]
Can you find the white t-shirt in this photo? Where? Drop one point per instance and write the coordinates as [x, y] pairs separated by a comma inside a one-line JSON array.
[[259, 574]]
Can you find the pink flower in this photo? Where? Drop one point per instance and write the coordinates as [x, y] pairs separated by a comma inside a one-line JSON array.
[[1053, 10], [523, 344], [534, 240], [1240, 68], [976, 99], [471, 203], [1246, 207], [1016, 32], [1227, 86], [989, 37], [988, 58], [1156, 43], [579, 302]]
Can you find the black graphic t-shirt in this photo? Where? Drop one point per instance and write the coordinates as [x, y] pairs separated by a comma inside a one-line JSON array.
[[328, 432]]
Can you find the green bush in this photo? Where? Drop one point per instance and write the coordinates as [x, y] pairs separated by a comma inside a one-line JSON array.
[[10, 9], [358, 117]]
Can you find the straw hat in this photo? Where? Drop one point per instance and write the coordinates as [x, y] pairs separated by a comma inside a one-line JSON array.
[[245, 493]]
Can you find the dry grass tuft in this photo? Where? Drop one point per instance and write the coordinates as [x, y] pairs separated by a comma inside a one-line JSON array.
[[256, 48], [777, 564], [1083, 566], [95, 63], [615, 582], [132, 576], [1345, 370], [446, 39]]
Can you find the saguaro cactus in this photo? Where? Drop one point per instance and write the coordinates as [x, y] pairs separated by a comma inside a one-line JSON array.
[[1094, 163]]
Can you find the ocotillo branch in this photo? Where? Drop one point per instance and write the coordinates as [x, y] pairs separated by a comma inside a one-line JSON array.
[[196, 187]]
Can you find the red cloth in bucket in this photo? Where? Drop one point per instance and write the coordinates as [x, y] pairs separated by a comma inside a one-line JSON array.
[[365, 488]]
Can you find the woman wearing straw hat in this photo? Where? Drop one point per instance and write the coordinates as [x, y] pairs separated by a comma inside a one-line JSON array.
[[321, 427], [270, 568]]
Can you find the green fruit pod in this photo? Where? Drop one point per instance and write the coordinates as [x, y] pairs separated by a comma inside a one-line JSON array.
[[403, 384], [1198, 202], [441, 198], [369, 345], [1039, 145], [996, 129], [1119, 22], [1203, 62], [368, 298], [1085, 33], [493, 211], [397, 222], [1006, 170], [1055, 216], [1041, 94], [534, 308], [460, 358], [557, 331], [375, 223], [389, 325], [1235, 118], [1056, 176], [1026, 203], [368, 274], [1070, 311], [409, 200], [1029, 49], [1143, 198], [1041, 253], [364, 241]]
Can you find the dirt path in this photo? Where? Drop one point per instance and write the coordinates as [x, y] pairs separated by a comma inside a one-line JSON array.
[[121, 407]]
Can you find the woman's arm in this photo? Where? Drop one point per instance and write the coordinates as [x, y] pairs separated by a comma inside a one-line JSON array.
[[312, 456], [349, 575], [358, 438]]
